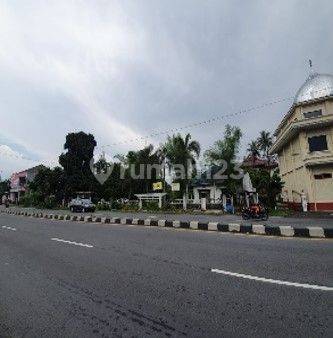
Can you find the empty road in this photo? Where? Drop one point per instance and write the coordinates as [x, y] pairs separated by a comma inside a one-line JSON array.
[[71, 279]]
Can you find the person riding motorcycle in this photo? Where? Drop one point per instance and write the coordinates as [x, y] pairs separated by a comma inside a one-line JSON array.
[[255, 210]]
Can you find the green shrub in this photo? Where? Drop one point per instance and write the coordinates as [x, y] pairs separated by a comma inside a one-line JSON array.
[[31, 199], [130, 207], [115, 205], [151, 206], [103, 206], [35, 199], [170, 207], [49, 202]]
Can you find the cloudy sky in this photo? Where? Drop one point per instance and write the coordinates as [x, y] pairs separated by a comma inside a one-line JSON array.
[[126, 69]]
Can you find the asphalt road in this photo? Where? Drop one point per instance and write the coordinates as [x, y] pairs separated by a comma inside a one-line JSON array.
[[297, 222], [69, 279]]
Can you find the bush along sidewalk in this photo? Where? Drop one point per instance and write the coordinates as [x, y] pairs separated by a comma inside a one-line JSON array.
[[256, 229]]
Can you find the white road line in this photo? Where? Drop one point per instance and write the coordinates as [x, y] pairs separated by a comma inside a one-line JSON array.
[[70, 242], [273, 281], [8, 228]]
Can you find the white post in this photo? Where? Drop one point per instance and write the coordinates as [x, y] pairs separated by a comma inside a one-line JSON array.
[[203, 203], [224, 201], [160, 202], [304, 202], [184, 201]]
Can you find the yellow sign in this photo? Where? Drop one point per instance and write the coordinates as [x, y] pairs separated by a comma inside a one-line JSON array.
[[157, 186]]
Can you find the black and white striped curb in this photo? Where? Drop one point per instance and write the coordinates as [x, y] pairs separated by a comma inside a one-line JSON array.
[[257, 229]]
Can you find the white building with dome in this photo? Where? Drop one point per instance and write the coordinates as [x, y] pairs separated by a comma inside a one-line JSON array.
[[304, 145]]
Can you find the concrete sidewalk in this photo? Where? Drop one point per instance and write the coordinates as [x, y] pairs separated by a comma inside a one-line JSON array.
[[296, 222]]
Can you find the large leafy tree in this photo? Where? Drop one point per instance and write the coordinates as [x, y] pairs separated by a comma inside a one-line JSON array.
[[268, 185], [76, 163], [48, 182], [114, 187], [182, 151]]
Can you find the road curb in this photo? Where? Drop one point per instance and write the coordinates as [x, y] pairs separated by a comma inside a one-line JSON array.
[[256, 229]]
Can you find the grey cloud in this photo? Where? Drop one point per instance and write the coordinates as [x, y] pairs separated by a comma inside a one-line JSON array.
[[121, 69]]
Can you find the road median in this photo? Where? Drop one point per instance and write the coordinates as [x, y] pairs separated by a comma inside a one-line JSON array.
[[255, 229]]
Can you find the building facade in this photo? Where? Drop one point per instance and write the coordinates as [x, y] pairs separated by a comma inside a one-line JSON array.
[[19, 182], [304, 145], [211, 187]]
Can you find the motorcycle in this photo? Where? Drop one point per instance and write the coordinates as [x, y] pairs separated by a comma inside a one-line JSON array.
[[255, 212]]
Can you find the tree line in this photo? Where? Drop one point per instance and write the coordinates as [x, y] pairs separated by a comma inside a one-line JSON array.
[[55, 186]]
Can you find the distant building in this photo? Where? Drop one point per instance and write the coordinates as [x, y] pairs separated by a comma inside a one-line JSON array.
[[210, 185], [19, 182], [304, 145]]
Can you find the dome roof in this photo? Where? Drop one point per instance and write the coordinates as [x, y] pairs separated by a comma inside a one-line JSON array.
[[315, 86]]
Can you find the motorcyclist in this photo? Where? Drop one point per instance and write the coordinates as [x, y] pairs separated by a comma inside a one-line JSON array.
[[255, 209]]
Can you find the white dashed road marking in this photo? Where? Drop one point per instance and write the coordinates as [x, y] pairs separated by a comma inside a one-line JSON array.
[[8, 228], [273, 281], [73, 243]]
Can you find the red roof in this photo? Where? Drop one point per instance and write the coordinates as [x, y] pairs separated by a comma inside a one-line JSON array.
[[258, 162]]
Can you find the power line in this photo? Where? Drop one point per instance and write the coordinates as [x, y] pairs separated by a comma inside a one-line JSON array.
[[205, 122], [176, 129]]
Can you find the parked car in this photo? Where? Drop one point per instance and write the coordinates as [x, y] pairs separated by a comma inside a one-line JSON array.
[[81, 205]]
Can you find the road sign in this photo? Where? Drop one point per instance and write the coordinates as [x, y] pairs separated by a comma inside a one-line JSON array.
[[175, 186], [157, 186]]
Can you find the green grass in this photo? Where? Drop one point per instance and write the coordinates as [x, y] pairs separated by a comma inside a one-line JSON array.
[[281, 213]]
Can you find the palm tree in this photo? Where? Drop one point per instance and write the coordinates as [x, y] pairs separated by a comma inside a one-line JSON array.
[[265, 142], [253, 150], [161, 156], [223, 154], [182, 151], [140, 160], [226, 149]]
